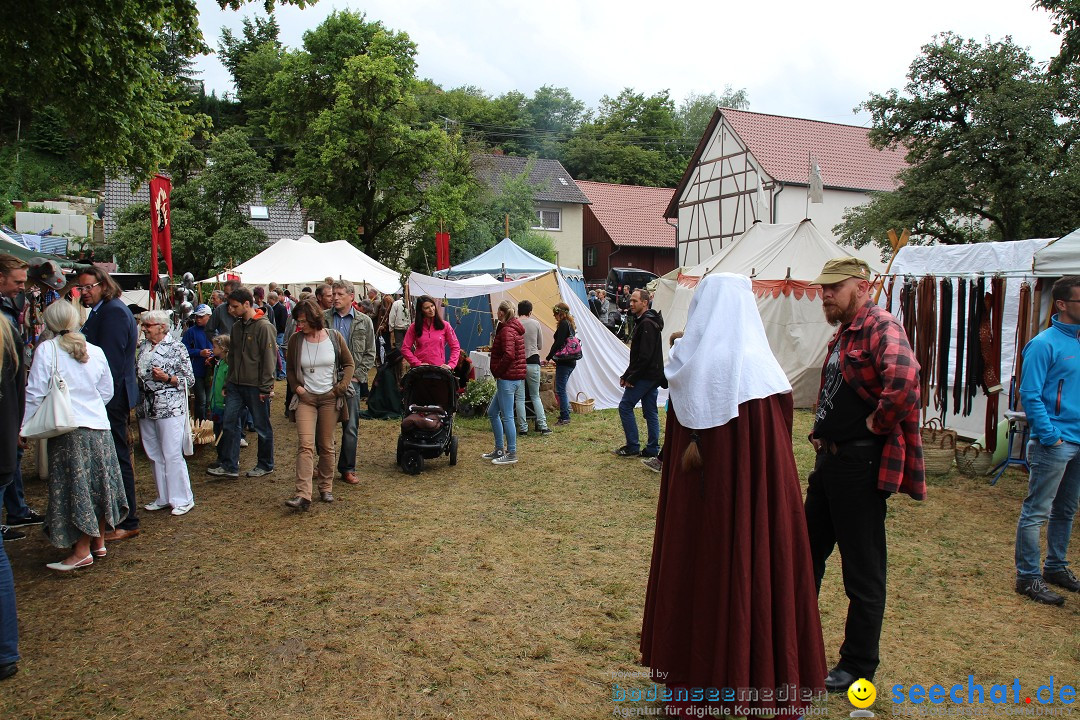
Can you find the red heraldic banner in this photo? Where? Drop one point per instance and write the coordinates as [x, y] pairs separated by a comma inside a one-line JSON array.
[[442, 250], [160, 225]]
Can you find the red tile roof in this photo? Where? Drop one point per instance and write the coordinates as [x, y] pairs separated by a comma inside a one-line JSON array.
[[631, 215], [848, 160]]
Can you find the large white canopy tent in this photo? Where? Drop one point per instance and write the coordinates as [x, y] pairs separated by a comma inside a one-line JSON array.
[[604, 357], [289, 262], [1059, 257], [781, 260]]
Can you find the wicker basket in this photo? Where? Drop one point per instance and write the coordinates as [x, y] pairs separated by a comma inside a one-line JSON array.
[[582, 406], [939, 453], [974, 460]]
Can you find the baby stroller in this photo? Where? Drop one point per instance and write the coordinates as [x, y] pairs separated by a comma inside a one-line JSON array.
[[427, 431]]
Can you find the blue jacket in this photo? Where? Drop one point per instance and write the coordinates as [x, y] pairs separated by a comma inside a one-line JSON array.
[[196, 340], [112, 328], [1050, 387]]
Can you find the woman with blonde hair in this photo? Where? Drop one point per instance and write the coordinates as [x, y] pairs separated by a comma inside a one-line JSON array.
[[563, 367], [86, 492], [508, 367]]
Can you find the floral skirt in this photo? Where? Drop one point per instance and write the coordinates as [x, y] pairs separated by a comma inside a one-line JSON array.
[[85, 486]]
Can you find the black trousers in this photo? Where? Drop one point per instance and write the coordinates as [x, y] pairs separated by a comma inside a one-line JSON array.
[[844, 508], [118, 423]]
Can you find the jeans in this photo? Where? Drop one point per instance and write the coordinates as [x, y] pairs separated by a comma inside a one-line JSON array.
[[14, 500], [503, 405], [845, 508], [347, 458], [645, 392], [118, 423], [9, 624], [202, 397], [1053, 490], [562, 376], [281, 356], [237, 398], [531, 386]]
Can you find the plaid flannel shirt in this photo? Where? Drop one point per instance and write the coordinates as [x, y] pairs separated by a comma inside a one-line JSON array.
[[878, 364]]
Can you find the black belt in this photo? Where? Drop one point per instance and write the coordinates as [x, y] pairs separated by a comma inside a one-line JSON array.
[[834, 448]]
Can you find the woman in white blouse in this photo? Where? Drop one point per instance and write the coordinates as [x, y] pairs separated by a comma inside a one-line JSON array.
[[86, 492], [319, 369], [163, 370]]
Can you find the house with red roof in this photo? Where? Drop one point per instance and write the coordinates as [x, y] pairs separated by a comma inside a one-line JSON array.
[[752, 166], [624, 226]]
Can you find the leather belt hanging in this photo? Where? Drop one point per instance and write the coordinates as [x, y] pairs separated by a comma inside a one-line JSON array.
[[907, 310], [973, 372], [1023, 335], [961, 338], [991, 351], [941, 389], [926, 334]]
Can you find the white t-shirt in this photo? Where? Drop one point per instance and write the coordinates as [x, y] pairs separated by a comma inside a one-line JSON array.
[[317, 365]]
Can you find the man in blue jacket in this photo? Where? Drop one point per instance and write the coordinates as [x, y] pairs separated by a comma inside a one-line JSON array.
[[112, 328], [1050, 390]]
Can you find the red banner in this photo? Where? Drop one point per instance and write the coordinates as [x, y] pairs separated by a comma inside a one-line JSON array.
[[442, 250], [160, 225]]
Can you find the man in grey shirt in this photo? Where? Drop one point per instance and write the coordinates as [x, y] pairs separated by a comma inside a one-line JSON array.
[[533, 341], [221, 321]]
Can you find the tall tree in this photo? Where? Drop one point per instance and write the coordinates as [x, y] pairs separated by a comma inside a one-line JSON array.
[[1066, 18], [697, 109], [987, 134]]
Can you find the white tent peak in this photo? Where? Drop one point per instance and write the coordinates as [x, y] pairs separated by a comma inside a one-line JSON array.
[[307, 239], [780, 251], [294, 262]]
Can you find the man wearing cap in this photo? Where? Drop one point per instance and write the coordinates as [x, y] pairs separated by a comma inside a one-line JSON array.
[[200, 350], [866, 434]]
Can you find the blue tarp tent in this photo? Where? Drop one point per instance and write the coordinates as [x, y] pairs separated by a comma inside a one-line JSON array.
[[515, 262]]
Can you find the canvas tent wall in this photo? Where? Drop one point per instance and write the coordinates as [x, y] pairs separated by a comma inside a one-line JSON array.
[[289, 262], [781, 259], [1059, 257], [511, 259], [1013, 260], [605, 358]]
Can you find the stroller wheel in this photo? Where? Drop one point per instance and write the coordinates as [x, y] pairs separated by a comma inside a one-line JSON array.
[[453, 451], [412, 462]]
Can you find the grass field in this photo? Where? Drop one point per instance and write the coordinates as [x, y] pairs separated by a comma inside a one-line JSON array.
[[467, 592]]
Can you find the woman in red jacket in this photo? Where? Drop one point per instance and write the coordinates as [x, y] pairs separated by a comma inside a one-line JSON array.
[[508, 367]]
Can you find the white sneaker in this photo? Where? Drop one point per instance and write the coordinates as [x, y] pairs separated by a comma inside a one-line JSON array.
[[243, 442], [508, 459], [183, 509], [493, 455], [155, 506]]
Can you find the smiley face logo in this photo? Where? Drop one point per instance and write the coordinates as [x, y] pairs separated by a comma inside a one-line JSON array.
[[862, 693]]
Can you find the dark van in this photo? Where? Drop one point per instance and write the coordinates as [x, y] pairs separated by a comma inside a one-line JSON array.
[[636, 278]]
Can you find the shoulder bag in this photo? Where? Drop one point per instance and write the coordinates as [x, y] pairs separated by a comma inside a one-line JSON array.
[[570, 351], [54, 416]]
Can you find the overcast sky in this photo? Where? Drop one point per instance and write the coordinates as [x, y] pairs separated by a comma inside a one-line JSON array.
[[800, 58]]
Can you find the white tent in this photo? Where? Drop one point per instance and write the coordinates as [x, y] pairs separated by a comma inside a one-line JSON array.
[[289, 262], [781, 260], [604, 357], [1060, 257]]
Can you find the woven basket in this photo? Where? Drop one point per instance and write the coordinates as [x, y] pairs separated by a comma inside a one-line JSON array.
[[582, 406], [938, 455], [974, 460], [933, 431]]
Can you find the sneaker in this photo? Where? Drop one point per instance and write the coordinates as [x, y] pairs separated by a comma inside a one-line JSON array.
[[243, 442], [32, 519], [523, 433], [11, 535], [647, 454], [155, 506], [493, 455], [218, 471], [183, 509], [544, 432], [505, 459], [258, 471], [1063, 578], [653, 463], [1037, 590], [563, 422], [626, 452]]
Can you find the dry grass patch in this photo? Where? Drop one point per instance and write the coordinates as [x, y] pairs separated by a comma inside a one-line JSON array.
[[468, 592]]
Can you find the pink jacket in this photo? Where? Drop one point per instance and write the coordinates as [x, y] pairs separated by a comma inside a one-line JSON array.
[[430, 348]]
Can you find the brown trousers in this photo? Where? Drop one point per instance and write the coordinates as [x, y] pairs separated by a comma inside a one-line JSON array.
[[316, 420]]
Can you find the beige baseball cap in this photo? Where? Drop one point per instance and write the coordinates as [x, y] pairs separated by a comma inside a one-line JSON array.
[[840, 269]]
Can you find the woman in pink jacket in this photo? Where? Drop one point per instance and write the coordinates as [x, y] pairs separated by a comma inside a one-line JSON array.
[[426, 339]]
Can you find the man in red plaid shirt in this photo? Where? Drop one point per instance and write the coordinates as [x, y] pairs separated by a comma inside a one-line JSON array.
[[866, 433]]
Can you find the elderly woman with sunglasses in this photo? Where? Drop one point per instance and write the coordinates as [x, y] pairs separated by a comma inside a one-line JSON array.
[[163, 370]]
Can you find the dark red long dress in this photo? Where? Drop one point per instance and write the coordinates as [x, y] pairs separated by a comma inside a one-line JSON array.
[[731, 601]]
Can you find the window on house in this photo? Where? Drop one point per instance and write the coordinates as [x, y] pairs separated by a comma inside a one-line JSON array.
[[548, 220], [590, 256], [259, 212]]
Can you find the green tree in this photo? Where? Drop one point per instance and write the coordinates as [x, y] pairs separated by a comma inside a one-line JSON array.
[[986, 134], [1066, 17], [112, 69], [697, 109], [209, 231]]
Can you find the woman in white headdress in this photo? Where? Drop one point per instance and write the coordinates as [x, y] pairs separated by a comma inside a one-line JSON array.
[[731, 601]]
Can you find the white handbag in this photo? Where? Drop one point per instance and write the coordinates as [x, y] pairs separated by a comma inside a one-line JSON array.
[[187, 440], [54, 416]]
